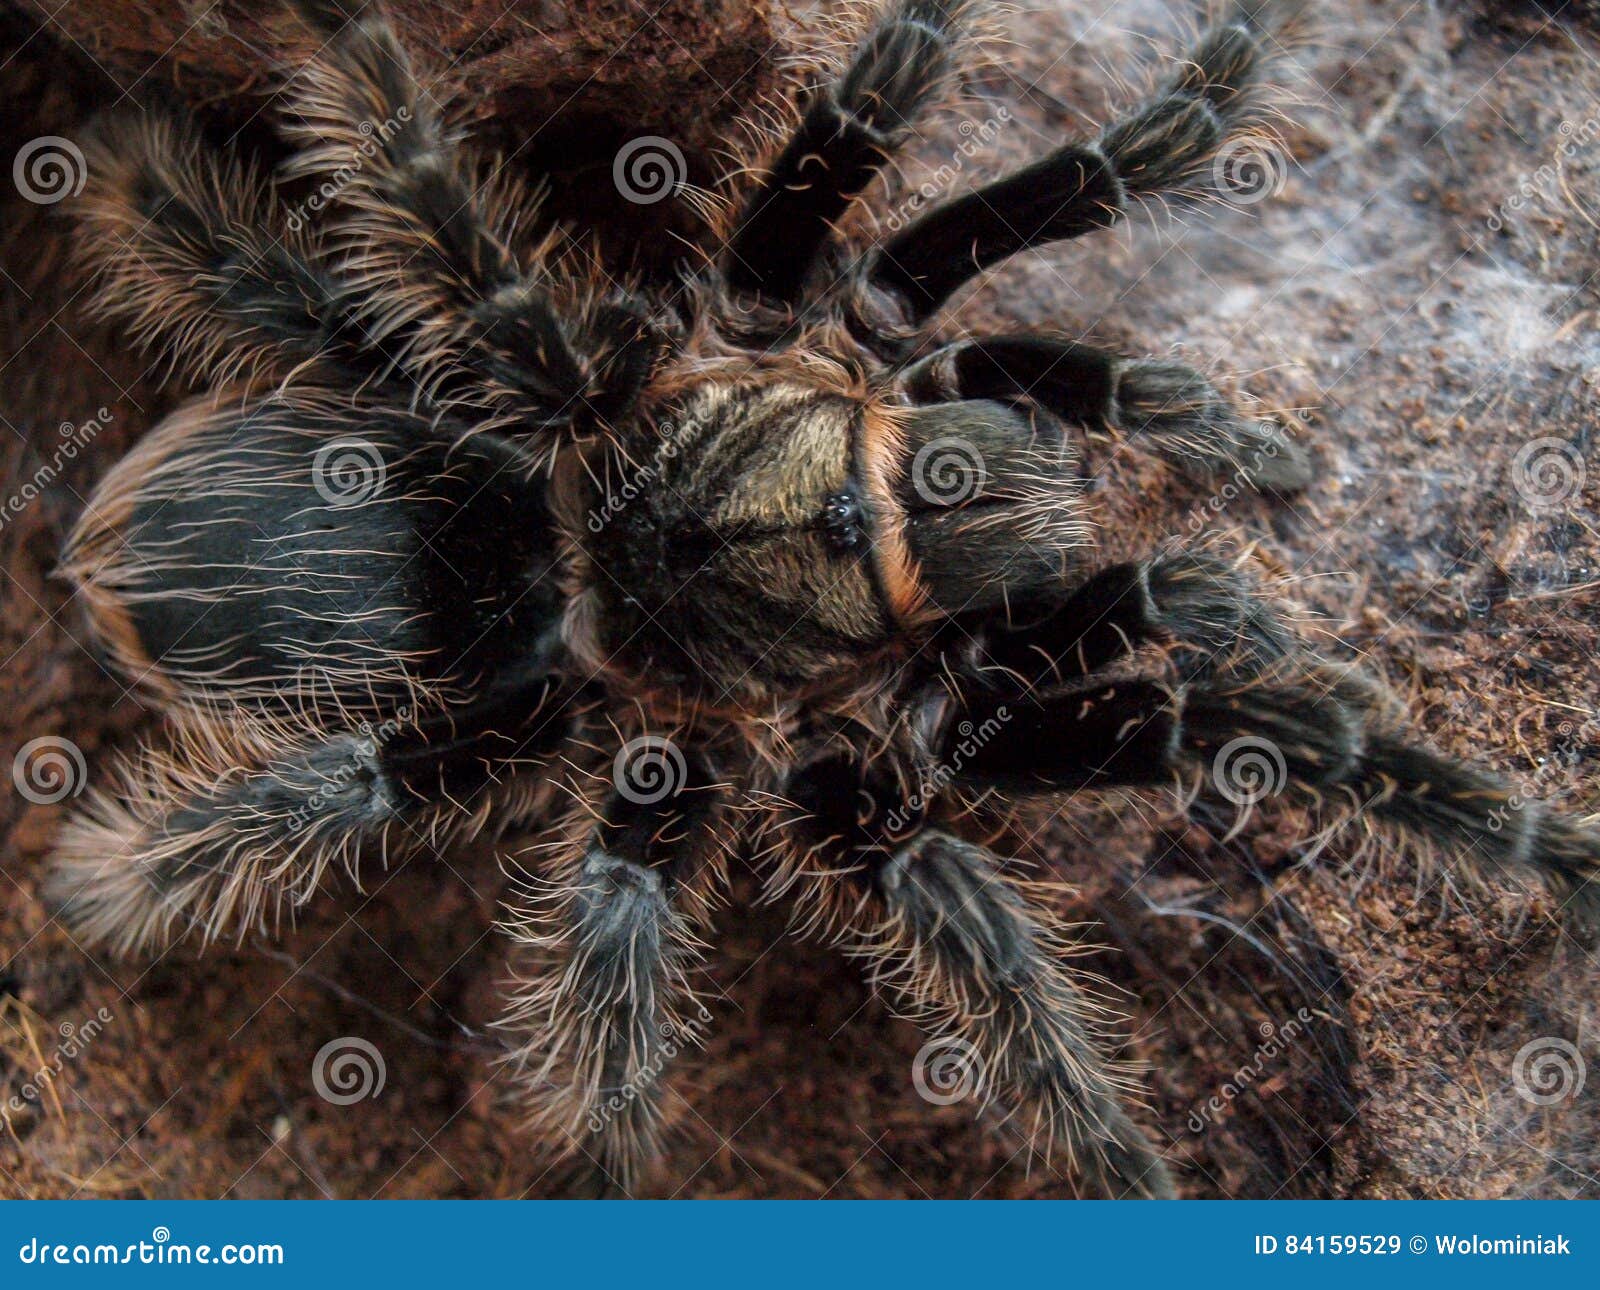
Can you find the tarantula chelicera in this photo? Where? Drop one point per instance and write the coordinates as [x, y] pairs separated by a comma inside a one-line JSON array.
[[472, 536]]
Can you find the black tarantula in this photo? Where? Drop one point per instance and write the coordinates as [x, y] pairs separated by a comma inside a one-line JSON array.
[[472, 536]]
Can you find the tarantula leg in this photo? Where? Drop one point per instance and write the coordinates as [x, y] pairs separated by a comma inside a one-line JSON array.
[[1168, 406], [611, 933], [1204, 607], [985, 973], [847, 134], [429, 248], [1324, 734], [1338, 734], [1165, 143], [195, 254], [239, 823]]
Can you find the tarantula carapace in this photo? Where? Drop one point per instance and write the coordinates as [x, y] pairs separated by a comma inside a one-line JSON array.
[[749, 570]]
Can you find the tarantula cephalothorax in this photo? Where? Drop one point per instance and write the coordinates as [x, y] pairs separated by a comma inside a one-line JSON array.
[[469, 538]]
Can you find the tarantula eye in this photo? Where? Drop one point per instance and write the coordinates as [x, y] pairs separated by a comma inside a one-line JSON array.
[[844, 522]]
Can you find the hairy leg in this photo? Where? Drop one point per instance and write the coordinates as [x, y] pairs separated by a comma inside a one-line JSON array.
[[195, 254], [848, 133], [1171, 408], [241, 821], [982, 968], [609, 926], [1204, 609], [1164, 144], [1313, 732], [426, 233]]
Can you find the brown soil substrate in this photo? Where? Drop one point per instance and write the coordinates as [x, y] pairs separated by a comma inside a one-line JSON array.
[[1429, 324]]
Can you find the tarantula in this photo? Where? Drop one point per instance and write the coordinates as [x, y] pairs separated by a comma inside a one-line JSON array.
[[472, 536]]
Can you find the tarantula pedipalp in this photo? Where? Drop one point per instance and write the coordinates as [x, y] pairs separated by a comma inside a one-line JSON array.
[[463, 541]]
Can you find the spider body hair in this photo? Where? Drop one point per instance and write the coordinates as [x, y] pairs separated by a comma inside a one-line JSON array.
[[241, 817], [639, 584], [609, 925], [297, 545], [205, 240]]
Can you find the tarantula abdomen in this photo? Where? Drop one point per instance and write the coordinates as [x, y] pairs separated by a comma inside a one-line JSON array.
[[290, 550]]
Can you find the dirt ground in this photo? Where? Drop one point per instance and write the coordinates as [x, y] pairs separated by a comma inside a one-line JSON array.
[[1416, 288]]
